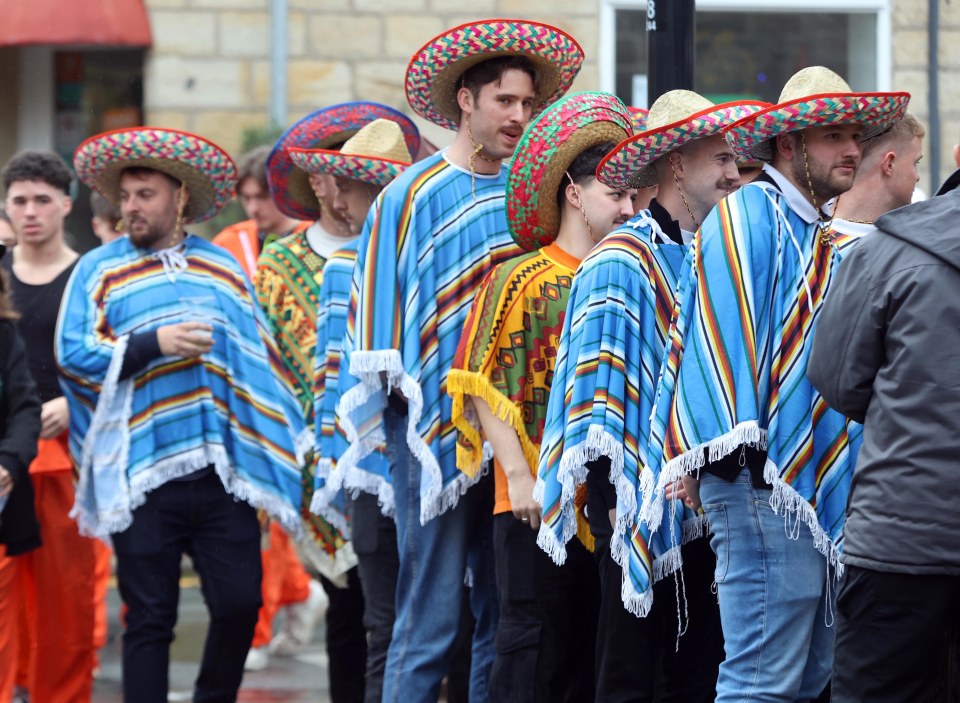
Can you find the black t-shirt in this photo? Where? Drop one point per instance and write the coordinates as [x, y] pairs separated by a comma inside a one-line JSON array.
[[38, 307]]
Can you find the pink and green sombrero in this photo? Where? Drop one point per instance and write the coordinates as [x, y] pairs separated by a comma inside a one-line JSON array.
[[813, 97], [548, 147], [434, 71], [638, 116], [322, 129], [376, 154], [675, 118], [206, 170]]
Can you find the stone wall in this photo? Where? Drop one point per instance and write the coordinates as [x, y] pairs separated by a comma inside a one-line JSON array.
[[209, 68]]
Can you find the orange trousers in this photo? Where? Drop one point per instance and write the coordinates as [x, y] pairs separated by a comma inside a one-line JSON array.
[[52, 628], [285, 582]]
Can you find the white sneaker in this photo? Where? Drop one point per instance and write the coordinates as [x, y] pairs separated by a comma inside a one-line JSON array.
[[257, 659], [302, 617]]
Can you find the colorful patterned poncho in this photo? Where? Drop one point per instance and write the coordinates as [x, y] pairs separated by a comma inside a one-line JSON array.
[[603, 393], [436, 231], [507, 355], [736, 374], [373, 474], [231, 408], [287, 282]]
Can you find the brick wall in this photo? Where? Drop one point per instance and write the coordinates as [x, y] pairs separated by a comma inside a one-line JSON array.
[[209, 69]]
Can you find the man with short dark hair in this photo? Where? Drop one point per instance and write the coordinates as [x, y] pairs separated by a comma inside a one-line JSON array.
[[59, 575], [245, 240], [181, 422], [431, 236]]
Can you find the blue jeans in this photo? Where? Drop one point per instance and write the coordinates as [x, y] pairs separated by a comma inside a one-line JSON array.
[[433, 563], [773, 598], [222, 537]]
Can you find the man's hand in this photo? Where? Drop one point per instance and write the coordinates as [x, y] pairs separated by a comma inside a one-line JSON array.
[[520, 489], [6, 482], [54, 418], [185, 339], [686, 489]]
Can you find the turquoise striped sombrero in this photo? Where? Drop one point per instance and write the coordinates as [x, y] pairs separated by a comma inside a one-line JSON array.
[[675, 118], [376, 154], [435, 69], [206, 170], [813, 97]]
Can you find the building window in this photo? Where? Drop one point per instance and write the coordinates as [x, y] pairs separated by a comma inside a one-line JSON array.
[[749, 48]]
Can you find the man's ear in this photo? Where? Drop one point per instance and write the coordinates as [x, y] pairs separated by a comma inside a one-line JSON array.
[[886, 163], [570, 193], [465, 101], [67, 205], [675, 163], [786, 145]]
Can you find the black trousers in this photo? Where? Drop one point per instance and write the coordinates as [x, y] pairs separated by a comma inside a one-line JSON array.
[[642, 660], [548, 615], [346, 639], [222, 537], [375, 543], [892, 636]]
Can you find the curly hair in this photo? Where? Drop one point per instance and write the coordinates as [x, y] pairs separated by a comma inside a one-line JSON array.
[[43, 166]]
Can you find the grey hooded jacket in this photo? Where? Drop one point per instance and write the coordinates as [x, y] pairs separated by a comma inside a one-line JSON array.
[[887, 353]]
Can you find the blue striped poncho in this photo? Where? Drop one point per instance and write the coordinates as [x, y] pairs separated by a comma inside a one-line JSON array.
[[434, 233], [736, 373], [232, 408], [610, 356], [372, 472]]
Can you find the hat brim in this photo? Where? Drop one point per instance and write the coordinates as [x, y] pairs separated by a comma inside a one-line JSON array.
[[369, 169], [630, 165], [206, 170], [751, 137], [290, 185], [543, 155], [434, 71]]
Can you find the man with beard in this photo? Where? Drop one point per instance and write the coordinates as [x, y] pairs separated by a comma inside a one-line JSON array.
[[432, 235], [58, 578], [181, 421], [245, 240], [734, 402], [598, 418]]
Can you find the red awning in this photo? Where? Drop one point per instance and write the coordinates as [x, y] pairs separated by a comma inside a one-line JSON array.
[[59, 22]]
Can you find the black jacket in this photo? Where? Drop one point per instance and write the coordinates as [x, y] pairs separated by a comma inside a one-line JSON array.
[[887, 353], [19, 429]]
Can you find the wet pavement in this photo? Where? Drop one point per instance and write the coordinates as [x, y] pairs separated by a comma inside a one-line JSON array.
[[288, 679]]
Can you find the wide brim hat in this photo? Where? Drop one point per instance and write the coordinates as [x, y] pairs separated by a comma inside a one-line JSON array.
[[290, 185], [434, 72], [548, 147], [376, 154], [675, 118], [206, 170], [814, 97], [638, 117]]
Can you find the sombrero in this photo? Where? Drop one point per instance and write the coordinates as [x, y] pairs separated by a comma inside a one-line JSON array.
[[675, 118], [638, 117], [434, 71], [376, 154], [548, 147], [204, 168], [813, 97], [290, 186]]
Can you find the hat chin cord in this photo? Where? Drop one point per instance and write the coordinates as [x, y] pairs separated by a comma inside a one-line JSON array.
[[823, 225], [696, 222], [583, 211], [477, 151]]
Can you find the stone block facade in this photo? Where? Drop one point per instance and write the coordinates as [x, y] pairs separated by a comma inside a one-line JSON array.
[[209, 69]]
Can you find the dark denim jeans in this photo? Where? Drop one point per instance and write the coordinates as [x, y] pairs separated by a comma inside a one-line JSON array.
[[222, 537]]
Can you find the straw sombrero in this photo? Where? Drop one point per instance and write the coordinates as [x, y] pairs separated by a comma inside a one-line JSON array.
[[548, 147], [376, 154], [204, 168], [434, 71], [813, 97], [289, 185], [675, 118]]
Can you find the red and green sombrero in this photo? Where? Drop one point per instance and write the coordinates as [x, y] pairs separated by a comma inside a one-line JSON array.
[[289, 185], [675, 118], [376, 154], [206, 170], [638, 116], [813, 97], [434, 71], [548, 147]]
